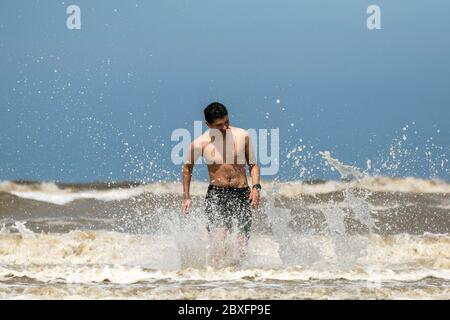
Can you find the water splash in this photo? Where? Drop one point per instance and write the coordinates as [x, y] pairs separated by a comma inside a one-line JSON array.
[[346, 171], [297, 248], [17, 227], [294, 249]]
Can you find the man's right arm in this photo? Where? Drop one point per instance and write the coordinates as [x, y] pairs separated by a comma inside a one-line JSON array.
[[187, 175], [188, 168]]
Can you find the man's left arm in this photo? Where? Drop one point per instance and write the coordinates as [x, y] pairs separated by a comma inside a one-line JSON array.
[[254, 172]]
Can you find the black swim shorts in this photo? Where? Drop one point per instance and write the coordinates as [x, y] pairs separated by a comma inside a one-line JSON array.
[[225, 204]]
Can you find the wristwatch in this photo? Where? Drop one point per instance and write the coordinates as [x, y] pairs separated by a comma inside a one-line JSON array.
[[257, 186]]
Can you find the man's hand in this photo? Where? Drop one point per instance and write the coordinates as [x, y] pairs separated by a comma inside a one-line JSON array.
[[186, 206], [254, 198]]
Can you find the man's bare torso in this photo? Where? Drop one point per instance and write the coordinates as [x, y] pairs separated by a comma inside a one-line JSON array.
[[225, 160]]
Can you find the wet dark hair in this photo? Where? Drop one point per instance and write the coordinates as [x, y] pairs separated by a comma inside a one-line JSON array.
[[215, 111]]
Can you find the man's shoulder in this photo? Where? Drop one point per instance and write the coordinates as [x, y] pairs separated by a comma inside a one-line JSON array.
[[239, 131]]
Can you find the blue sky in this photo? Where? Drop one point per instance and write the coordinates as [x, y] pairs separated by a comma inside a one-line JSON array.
[[100, 103]]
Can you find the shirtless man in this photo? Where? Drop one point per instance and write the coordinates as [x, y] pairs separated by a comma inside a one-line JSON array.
[[226, 150]]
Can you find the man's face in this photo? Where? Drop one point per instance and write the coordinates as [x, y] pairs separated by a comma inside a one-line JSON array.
[[221, 124]]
